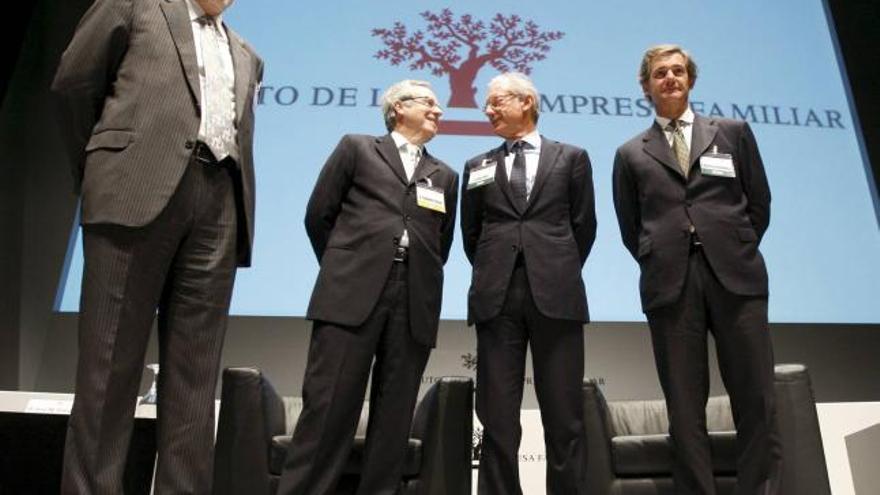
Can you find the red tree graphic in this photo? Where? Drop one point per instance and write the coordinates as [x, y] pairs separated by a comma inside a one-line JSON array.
[[462, 47]]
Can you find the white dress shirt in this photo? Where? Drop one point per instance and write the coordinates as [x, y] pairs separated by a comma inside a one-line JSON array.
[[687, 126], [410, 154], [531, 151]]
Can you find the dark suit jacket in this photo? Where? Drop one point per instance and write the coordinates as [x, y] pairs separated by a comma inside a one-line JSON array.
[[555, 233], [655, 205], [128, 85], [358, 210]]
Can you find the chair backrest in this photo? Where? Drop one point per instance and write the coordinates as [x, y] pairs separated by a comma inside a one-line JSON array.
[[804, 471], [648, 417], [293, 408], [443, 421]]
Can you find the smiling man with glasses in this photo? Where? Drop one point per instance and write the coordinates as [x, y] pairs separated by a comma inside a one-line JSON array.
[[496, 102], [427, 101], [381, 220], [528, 223]]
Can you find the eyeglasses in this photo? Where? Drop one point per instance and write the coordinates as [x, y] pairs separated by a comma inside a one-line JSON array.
[[498, 101], [422, 100]]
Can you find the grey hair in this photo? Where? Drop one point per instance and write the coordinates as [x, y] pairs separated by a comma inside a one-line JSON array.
[[520, 85], [395, 93]]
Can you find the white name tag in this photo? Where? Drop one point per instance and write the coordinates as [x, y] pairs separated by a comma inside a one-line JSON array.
[[431, 198], [482, 175], [717, 165]]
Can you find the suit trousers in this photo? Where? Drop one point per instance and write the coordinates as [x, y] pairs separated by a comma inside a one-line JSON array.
[[335, 382], [679, 333], [558, 363], [183, 264]]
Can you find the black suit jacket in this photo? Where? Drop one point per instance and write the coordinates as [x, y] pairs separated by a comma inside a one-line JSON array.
[[128, 88], [555, 233], [655, 205], [360, 205]]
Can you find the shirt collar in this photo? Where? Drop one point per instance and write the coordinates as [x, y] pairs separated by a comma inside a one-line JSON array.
[[399, 140], [533, 139], [687, 117], [196, 11]]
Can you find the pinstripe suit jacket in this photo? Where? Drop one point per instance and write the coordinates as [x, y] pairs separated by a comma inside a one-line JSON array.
[[128, 88]]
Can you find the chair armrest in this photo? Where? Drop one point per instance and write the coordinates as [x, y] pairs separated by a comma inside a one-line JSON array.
[[804, 471], [444, 423], [251, 413]]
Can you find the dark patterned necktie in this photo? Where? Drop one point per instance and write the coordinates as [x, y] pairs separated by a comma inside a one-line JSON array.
[[518, 173]]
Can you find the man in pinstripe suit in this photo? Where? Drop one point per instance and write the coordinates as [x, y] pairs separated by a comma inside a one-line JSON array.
[[157, 97]]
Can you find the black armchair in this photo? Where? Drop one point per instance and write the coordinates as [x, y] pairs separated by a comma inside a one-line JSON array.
[[629, 451], [253, 435]]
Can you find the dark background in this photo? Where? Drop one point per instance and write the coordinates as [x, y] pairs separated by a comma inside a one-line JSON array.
[[37, 210]]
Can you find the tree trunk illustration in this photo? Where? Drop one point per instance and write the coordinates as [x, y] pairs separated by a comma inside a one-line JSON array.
[[461, 85]]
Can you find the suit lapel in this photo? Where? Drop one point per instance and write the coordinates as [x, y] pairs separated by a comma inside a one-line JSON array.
[[388, 151], [177, 17], [658, 147], [242, 67], [550, 151], [702, 136], [427, 166]]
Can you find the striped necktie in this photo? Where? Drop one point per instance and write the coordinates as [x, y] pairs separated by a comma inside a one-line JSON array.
[[680, 147]]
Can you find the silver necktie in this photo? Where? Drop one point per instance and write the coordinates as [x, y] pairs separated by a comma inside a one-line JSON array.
[[218, 102]]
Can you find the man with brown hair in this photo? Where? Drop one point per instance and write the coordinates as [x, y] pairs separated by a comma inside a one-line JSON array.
[[692, 203]]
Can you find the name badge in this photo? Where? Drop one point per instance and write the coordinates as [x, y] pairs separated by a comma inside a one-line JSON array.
[[482, 174], [430, 197], [717, 164]]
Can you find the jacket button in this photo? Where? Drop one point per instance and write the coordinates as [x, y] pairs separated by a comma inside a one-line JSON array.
[[408, 218], [189, 144], [513, 248]]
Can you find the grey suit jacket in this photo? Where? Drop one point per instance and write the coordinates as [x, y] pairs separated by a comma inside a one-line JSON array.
[[655, 205], [128, 89], [360, 205], [555, 233]]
